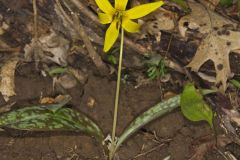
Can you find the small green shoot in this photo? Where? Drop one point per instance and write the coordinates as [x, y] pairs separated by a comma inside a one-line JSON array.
[[112, 59], [156, 67], [194, 107], [183, 4], [56, 71], [226, 3], [235, 83]]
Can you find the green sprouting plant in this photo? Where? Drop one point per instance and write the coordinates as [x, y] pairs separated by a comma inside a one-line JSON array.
[[111, 56], [235, 83], [57, 71], [156, 67], [183, 4], [112, 59], [226, 2]]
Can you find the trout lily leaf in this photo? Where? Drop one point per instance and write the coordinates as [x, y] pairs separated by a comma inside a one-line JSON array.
[[118, 16]]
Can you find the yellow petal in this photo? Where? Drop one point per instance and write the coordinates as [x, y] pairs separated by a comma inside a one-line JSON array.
[[130, 26], [111, 35], [121, 4], [105, 6], [104, 18], [142, 10]]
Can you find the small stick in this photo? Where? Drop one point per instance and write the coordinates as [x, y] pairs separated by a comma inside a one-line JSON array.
[[80, 29], [10, 49], [35, 20], [91, 51], [149, 151]]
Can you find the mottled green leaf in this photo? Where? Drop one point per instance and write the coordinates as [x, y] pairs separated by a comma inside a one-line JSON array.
[[194, 107], [154, 112], [50, 118]]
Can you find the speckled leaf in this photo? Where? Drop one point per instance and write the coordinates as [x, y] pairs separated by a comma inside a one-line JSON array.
[[154, 112], [194, 107], [50, 118]]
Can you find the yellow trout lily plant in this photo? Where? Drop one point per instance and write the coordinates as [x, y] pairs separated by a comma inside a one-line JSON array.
[[120, 19]]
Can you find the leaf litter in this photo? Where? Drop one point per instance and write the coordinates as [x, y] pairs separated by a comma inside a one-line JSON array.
[[220, 38]]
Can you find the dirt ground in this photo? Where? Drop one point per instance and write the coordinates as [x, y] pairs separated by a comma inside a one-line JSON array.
[[170, 135]]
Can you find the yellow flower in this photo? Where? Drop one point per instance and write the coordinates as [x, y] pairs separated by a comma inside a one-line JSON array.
[[118, 16]]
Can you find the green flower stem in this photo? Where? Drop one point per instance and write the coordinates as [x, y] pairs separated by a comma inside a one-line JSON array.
[[117, 96]]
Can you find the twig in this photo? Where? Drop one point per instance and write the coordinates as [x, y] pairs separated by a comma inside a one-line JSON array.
[[6, 107], [35, 37], [35, 20], [10, 49], [79, 28], [149, 151], [92, 52], [83, 9]]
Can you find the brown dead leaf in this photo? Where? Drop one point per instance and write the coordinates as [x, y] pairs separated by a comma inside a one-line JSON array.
[[217, 47], [201, 19], [219, 40], [52, 46], [7, 85]]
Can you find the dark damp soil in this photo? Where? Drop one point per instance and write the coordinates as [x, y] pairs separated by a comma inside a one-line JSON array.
[[170, 135]]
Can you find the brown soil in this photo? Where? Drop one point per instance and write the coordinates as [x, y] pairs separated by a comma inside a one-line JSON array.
[[170, 135]]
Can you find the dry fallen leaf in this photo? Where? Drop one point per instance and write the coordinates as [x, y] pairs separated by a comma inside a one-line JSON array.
[[160, 20], [217, 47], [202, 20], [53, 47], [7, 85], [219, 40]]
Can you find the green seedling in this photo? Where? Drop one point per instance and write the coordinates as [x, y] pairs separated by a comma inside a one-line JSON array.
[[235, 83], [57, 71], [156, 67], [182, 4], [112, 59], [226, 3]]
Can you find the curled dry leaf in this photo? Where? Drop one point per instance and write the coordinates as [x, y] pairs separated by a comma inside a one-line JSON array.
[[7, 85], [161, 20], [53, 47], [3, 26], [67, 81], [201, 150], [217, 47], [219, 40], [202, 20]]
